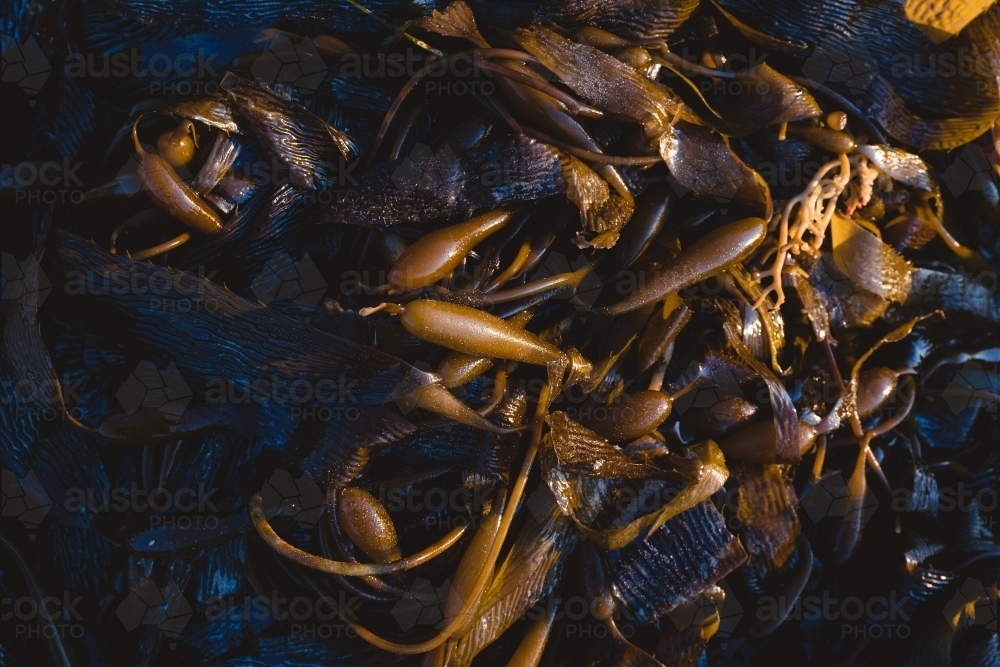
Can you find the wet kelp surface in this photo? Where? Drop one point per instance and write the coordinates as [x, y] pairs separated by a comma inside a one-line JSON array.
[[503, 333]]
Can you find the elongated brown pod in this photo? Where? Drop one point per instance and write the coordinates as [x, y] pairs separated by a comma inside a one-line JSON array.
[[709, 255], [170, 194], [474, 561], [458, 367], [758, 443], [652, 209], [433, 256], [368, 524], [472, 331], [529, 651], [834, 141], [435, 398], [632, 415], [875, 388], [544, 111]]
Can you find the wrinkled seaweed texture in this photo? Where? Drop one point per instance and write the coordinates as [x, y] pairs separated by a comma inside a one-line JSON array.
[[431, 184], [870, 50], [230, 345], [316, 154], [631, 18], [36, 441], [303, 14], [674, 564], [275, 220]]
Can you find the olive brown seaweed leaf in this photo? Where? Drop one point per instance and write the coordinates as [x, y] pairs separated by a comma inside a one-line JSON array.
[[602, 80], [927, 95], [531, 571], [587, 486], [687, 555], [317, 155]]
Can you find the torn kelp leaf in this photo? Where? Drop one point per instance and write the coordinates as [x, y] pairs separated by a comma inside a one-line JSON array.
[[687, 555]]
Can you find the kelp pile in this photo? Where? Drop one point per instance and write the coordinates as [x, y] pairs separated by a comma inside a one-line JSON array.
[[549, 333]]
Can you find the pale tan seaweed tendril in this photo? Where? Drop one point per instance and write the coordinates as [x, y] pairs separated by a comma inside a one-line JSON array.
[[813, 210]]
